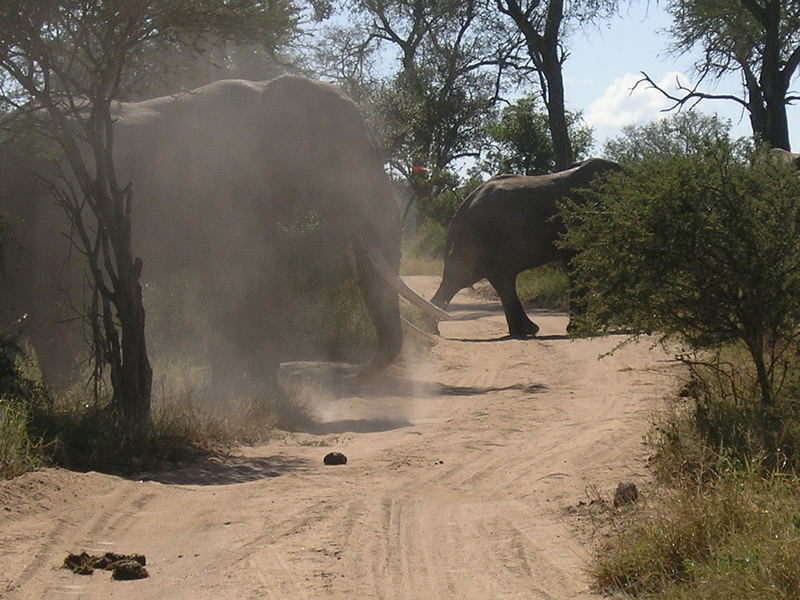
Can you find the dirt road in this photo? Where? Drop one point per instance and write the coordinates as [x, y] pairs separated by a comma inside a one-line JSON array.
[[460, 475]]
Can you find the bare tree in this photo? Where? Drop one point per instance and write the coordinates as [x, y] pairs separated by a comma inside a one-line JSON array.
[[433, 110], [65, 62], [543, 25], [757, 39]]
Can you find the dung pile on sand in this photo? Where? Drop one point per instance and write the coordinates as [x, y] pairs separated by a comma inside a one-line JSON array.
[[122, 566]]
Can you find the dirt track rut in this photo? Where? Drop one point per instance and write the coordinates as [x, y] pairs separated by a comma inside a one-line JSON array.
[[459, 476]]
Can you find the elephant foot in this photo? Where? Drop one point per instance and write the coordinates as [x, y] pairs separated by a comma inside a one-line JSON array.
[[526, 331]]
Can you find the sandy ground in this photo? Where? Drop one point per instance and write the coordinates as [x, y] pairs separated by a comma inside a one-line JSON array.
[[460, 479]]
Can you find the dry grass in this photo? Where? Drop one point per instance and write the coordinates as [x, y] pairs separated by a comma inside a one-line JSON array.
[[18, 451], [738, 538], [421, 265], [718, 525]]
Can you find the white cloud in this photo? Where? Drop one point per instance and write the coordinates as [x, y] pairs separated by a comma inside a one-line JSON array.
[[621, 104]]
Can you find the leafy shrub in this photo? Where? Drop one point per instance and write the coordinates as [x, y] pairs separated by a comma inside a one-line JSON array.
[[705, 249], [719, 522], [544, 287], [428, 241]]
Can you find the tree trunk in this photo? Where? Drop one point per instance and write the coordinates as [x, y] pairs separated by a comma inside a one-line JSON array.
[[769, 423], [557, 119], [543, 48], [132, 376]]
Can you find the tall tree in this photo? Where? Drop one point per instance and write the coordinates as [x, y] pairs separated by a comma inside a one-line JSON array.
[[681, 134], [543, 25], [65, 62], [757, 39], [520, 140], [433, 109]]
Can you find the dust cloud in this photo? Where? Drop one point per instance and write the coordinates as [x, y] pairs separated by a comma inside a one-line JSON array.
[[248, 200]]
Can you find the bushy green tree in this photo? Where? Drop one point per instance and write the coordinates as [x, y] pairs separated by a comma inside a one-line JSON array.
[[544, 26], [703, 248], [680, 134], [520, 140]]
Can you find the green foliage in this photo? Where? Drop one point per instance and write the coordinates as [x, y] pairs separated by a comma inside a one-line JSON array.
[[21, 449], [544, 287], [327, 318], [422, 120], [682, 134], [521, 142], [720, 521], [704, 248], [733, 35], [18, 452], [428, 241], [756, 40], [439, 194], [737, 538]]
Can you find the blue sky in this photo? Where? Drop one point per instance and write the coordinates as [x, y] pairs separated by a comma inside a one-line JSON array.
[[605, 62]]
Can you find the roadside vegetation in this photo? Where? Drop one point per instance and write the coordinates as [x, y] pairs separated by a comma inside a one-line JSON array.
[[719, 523], [701, 249]]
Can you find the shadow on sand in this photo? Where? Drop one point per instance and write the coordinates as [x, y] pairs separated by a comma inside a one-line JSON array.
[[349, 426], [340, 380], [505, 338], [226, 470], [326, 384], [477, 391]]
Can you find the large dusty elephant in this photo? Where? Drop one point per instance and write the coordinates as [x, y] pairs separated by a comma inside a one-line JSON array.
[[505, 226], [216, 173]]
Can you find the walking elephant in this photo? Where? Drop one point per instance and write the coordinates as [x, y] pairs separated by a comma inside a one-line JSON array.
[[505, 226], [218, 173]]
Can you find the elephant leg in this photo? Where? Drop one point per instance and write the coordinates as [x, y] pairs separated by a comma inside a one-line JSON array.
[[246, 327], [244, 357], [519, 325], [383, 308]]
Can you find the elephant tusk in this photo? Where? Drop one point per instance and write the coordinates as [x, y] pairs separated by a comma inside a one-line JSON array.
[[416, 332], [393, 279]]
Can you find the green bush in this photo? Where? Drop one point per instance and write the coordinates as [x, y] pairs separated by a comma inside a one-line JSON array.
[[18, 452], [428, 241], [544, 287], [719, 525], [703, 248], [21, 396], [423, 250]]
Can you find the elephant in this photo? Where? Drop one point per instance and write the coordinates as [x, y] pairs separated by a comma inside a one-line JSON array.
[[217, 174], [505, 226]]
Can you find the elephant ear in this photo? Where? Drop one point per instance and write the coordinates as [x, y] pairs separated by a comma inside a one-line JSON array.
[[388, 274]]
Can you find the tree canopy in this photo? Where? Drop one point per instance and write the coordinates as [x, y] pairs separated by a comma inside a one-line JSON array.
[[520, 141], [702, 247], [759, 40]]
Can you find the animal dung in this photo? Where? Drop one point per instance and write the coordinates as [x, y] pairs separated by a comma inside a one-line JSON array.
[[122, 566], [335, 458], [626, 493]]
